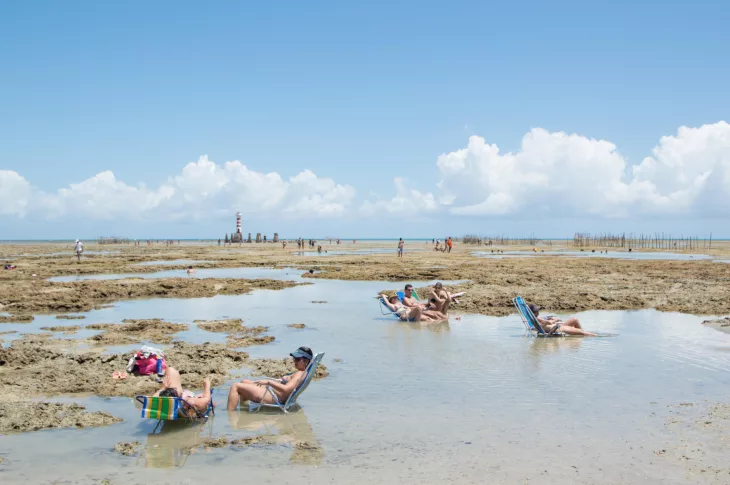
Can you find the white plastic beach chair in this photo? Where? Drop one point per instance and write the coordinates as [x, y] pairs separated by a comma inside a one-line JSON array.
[[292, 401]]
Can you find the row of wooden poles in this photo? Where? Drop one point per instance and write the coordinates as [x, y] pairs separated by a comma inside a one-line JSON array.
[[606, 240], [112, 240], [502, 240], [659, 240]]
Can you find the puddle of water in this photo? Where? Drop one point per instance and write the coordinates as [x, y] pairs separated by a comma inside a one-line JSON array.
[[588, 254], [70, 253], [413, 404], [287, 274], [354, 252], [171, 262]]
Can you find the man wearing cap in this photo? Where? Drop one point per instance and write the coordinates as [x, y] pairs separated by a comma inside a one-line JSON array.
[[551, 324], [263, 390]]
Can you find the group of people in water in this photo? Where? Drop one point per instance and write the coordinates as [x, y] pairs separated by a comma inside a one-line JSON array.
[[412, 309], [435, 308], [267, 391]]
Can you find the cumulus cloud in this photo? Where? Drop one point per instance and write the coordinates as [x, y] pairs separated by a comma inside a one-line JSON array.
[[553, 174], [201, 190], [559, 174], [16, 194], [406, 201]]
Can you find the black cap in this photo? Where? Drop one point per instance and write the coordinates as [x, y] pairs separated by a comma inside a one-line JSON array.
[[305, 352], [534, 308]]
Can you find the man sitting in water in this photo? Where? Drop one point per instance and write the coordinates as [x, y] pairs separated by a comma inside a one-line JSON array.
[[172, 387], [258, 391], [414, 314], [551, 324]]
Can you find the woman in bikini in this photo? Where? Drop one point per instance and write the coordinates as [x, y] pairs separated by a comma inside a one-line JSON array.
[[172, 387], [261, 391]]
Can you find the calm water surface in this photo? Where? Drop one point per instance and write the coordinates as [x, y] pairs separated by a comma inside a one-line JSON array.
[[289, 274], [588, 254], [170, 262], [468, 402]]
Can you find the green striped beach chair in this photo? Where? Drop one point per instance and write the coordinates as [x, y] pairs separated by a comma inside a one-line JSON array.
[[172, 408]]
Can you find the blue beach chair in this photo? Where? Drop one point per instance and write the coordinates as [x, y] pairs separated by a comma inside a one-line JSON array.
[[532, 325], [385, 310], [292, 401]]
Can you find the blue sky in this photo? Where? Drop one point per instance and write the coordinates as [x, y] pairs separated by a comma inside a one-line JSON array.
[[359, 94]]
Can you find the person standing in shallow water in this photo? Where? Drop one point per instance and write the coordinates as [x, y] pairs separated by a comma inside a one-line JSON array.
[[79, 248], [400, 247]]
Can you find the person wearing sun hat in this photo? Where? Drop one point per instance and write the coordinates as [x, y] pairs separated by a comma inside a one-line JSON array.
[[262, 390]]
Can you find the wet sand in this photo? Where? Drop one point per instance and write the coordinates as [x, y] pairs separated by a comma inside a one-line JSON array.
[[558, 283]]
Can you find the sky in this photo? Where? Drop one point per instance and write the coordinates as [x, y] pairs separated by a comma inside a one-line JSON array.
[[363, 119]]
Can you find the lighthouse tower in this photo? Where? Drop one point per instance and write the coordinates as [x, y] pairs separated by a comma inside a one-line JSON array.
[[238, 223]]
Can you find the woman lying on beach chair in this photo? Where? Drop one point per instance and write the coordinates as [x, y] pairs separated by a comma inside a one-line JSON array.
[[195, 405], [413, 314], [551, 324]]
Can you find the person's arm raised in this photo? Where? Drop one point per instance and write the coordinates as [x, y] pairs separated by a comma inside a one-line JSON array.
[[387, 303]]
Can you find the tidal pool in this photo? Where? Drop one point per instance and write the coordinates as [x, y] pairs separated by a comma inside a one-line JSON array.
[[171, 262], [588, 254], [473, 401], [289, 274]]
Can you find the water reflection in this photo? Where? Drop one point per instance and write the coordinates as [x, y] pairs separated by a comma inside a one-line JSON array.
[[273, 427], [171, 443]]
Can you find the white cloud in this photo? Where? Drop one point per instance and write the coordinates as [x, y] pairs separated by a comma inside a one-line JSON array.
[[556, 174], [15, 194], [406, 201], [551, 175], [202, 189]]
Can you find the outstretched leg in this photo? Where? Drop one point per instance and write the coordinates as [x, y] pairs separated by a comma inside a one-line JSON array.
[[247, 392], [575, 331], [571, 322]]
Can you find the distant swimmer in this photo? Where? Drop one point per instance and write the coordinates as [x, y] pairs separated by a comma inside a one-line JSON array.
[[190, 270], [551, 324], [79, 249]]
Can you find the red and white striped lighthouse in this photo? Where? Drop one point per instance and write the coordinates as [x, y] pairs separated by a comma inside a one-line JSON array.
[[238, 222]]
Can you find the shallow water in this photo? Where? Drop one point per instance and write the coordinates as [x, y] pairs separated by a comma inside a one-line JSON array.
[[288, 274], [170, 262], [588, 254], [465, 402]]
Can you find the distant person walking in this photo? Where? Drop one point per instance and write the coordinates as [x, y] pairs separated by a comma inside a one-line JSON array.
[[79, 249], [400, 247], [449, 244]]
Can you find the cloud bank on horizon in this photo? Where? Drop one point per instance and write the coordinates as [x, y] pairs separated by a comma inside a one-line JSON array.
[[553, 175]]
